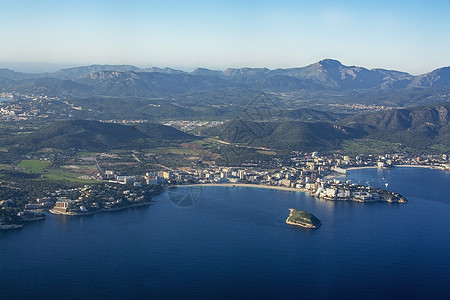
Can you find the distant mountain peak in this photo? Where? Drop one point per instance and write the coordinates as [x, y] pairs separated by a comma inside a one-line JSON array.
[[246, 71], [102, 75], [330, 62], [165, 70], [326, 74], [206, 72]]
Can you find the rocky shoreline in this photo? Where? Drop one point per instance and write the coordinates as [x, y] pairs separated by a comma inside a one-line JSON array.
[[303, 219], [4, 226], [70, 213]]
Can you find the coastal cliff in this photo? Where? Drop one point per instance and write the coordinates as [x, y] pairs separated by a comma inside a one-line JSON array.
[[303, 219]]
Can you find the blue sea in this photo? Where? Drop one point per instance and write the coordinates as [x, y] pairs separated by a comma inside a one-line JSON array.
[[234, 243]]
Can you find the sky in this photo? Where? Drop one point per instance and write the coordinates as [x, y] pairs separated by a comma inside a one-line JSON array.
[[411, 36]]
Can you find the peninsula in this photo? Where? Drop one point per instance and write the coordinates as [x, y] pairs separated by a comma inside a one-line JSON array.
[[303, 219]]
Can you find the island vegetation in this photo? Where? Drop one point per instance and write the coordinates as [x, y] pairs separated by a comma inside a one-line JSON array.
[[303, 219]]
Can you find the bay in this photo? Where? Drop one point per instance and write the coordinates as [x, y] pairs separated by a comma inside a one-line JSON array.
[[234, 243]]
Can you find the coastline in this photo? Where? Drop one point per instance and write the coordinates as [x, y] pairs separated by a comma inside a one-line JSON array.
[[250, 185], [399, 166], [288, 189], [90, 213], [360, 168], [415, 166], [123, 207], [4, 226], [300, 223]]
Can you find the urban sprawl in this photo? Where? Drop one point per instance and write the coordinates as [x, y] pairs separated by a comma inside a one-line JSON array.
[[321, 176]]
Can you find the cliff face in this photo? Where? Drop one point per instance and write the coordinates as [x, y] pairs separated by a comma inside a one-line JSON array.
[[303, 219]]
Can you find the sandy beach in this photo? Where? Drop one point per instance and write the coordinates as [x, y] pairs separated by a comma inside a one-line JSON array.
[[290, 189], [396, 166], [359, 168], [260, 186], [413, 166]]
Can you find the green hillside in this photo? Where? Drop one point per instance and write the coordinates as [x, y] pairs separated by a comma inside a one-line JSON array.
[[95, 136], [285, 135], [418, 127]]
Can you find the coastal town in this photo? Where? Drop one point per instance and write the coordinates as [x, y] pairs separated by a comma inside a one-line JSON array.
[[320, 176], [109, 188]]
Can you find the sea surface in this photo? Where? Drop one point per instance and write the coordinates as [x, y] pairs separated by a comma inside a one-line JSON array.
[[234, 243]]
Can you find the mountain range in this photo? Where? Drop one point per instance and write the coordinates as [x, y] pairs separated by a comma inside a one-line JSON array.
[[127, 80], [124, 92], [417, 128]]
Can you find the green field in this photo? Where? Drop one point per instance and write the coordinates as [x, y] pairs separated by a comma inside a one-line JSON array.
[[33, 165], [266, 152], [365, 146], [80, 167], [201, 142], [61, 175], [179, 151], [86, 153], [118, 151]]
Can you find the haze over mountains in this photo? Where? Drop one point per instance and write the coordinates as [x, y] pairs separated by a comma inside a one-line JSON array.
[[306, 107], [126, 80]]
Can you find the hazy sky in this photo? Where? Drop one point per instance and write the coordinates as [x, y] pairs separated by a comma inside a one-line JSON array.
[[412, 36]]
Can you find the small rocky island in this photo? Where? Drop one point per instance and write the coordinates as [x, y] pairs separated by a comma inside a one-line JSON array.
[[302, 218]]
